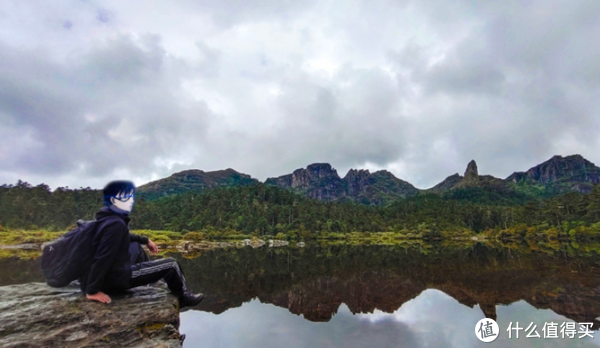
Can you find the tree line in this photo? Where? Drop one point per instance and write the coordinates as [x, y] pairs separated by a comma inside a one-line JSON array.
[[267, 210]]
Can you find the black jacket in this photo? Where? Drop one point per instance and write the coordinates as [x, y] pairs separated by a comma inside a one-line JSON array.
[[111, 265]]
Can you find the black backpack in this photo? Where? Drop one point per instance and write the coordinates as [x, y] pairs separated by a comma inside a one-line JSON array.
[[68, 257]]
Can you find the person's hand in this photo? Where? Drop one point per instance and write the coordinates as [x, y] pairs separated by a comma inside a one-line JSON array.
[[99, 296], [152, 247]]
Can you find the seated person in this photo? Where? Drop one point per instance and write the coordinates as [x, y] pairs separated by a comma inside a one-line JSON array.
[[118, 263]]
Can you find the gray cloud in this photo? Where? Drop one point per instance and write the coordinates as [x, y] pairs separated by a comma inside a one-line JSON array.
[[322, 122], [416, 88], [115, 108], [510, 88]]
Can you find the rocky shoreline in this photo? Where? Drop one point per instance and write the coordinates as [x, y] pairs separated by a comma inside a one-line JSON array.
[[181, 246], [190, 246]]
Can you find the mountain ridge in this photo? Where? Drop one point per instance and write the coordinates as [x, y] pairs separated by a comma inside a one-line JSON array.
[[572, 172], [321, 181]]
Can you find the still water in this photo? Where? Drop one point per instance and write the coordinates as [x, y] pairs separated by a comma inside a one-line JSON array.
[[383, 296], [378, 296]]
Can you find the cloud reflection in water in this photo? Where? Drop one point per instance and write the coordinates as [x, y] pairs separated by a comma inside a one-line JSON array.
[[432, 319]]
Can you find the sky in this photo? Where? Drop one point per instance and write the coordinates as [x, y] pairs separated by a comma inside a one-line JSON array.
[[94, 91]]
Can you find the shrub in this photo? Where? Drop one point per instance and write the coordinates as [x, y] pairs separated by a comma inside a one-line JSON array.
[[531, 233], [432, 234], [280, 236], [585, 233], [552, 234], [161, 239], [193, 236]]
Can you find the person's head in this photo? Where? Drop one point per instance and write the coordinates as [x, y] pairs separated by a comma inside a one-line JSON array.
[[119, 194]]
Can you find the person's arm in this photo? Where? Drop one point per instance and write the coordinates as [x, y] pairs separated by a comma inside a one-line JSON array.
[[138, 238], [144, 240], [111, 238]]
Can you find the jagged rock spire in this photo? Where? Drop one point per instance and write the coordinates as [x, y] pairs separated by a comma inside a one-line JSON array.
[[471, 173]]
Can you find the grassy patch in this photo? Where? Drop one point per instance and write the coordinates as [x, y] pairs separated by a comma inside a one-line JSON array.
[[12, 237], [23, 254]]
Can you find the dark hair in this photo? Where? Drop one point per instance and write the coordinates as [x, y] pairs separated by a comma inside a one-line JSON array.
[[113, 188]]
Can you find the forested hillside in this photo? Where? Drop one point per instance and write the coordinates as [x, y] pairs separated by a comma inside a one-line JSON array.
[[266, 210]]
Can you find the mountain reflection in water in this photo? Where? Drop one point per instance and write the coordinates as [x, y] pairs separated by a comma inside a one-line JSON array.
[[433, 319], [379, 296], [315, 281]]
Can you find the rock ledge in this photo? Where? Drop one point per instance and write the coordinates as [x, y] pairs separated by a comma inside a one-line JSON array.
[[36, 315]]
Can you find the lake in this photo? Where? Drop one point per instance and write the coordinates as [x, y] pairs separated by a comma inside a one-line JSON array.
[[384, 296]]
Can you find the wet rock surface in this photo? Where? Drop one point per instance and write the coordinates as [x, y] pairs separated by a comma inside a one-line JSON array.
[[36, 315]]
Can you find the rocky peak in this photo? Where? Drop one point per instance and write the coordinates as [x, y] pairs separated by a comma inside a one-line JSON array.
[[321, 181], [470, 180], [374, 188], [318, 180], [385, 174], [574, 170], [305, 178], [356, 174], [321, 170], [471, 174], [357, 180]]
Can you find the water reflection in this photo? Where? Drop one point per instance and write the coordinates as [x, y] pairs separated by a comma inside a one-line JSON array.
[[378, 296], [18, 271], [314, 282], [432, 319]]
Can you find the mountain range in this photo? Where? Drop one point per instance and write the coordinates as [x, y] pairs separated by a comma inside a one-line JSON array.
[[321, 181]]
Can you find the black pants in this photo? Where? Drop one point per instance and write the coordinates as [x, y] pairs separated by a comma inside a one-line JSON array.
[[144, 271]]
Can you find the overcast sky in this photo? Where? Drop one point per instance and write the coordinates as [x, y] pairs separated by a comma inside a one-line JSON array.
[[92, 91]]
